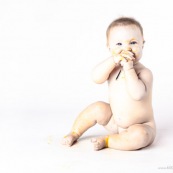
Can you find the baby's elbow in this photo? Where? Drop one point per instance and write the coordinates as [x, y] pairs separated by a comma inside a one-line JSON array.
[[138, 96], [97, 80]]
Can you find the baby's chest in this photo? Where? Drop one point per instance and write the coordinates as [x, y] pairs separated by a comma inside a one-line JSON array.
[[118, 92], [117, 83]]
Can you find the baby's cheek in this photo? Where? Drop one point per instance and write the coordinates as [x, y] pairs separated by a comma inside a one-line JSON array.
[[116, 51], [136, 51]]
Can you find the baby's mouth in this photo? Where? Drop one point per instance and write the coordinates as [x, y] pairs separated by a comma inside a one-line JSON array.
[[134, 55]]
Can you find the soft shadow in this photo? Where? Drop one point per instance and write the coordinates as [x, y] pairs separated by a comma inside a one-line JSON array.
[[83, 138]]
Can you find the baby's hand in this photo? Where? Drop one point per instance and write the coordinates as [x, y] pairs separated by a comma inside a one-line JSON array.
[[128, 55], [117, 58], [123, 57], [128, 58], [127, 65]]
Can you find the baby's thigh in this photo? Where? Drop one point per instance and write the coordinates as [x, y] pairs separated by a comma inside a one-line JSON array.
[[142, 133], [111, 126]]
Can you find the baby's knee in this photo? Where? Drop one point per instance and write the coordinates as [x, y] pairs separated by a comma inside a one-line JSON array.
[[103, 112], [141, 136], [100, 106]]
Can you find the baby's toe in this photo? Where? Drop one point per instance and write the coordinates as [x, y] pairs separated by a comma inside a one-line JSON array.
[[97, 146], [64, 141], [96, 143], [93, 140], [67, 141]]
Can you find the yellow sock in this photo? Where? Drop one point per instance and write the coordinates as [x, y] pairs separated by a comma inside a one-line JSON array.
[[73, 133], [106, 141]]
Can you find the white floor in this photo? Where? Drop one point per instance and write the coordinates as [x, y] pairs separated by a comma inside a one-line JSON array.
[[29, 143]]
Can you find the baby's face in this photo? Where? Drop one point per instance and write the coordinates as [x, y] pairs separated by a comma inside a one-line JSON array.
[[127, 38]]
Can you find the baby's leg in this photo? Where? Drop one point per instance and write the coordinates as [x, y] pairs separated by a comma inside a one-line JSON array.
[[99, 112], [101, 142], [135, 137]]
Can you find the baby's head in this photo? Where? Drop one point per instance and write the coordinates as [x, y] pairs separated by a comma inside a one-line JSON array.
[[125, 34]]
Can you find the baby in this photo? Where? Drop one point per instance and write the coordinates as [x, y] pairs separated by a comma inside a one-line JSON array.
[[129, 114]]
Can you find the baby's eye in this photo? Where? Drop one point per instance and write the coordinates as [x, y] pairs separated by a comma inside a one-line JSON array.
[[133, 42], [119, 44]]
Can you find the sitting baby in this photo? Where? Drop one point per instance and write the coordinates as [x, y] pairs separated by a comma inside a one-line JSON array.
[[129, 114]]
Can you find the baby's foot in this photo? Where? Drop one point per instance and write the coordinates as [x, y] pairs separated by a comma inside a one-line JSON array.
[[99, 143], [70, 139]]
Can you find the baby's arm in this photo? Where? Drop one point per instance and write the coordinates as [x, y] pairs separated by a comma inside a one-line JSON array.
[[102, 71], [138, 85]]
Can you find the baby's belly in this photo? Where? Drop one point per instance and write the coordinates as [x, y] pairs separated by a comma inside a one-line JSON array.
[[125, 116], [127, 111]]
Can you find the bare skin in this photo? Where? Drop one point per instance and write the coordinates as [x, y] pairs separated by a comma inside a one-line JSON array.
[[128, 115]]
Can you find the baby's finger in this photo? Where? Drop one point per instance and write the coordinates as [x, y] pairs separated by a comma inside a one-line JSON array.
[[127, 56], [123, 62], [117, 59], [120, 57], [128, 52]]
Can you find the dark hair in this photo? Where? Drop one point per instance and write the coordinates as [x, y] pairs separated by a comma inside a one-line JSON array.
[[124, 21]]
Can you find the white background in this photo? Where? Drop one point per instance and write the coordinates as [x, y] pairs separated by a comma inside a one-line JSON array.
[[48, 49]]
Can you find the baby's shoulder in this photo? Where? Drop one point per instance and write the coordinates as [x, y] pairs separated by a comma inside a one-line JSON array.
[[141, 69]]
